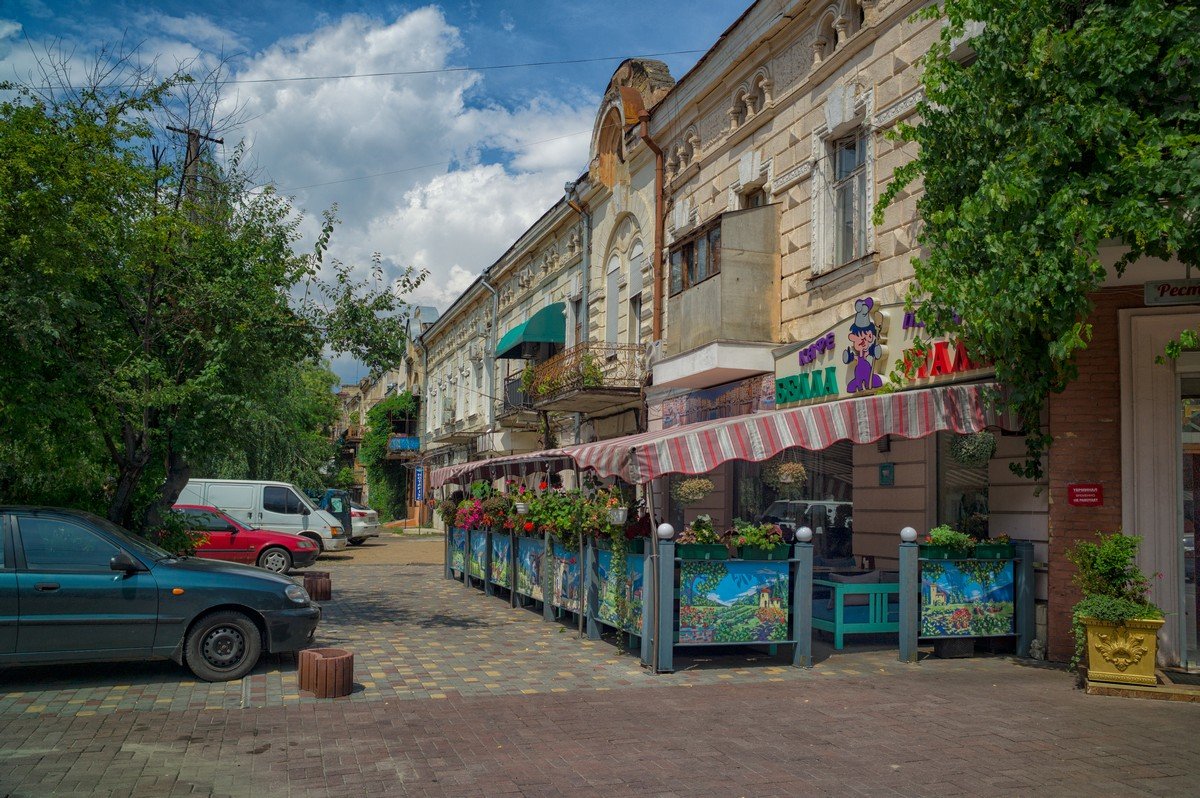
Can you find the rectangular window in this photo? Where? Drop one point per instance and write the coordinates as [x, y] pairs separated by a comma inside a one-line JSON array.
[[962, 488], [695, 260], [635, 319], [281, 500], [54, 545], [849, 199], [755, 199]]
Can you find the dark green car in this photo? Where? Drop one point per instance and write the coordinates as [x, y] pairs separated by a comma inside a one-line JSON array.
[[77, 588]]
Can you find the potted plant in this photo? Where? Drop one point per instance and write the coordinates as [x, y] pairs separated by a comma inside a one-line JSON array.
[[699, 541], [787, 478], [760, 542], [973, 450], [690, 491], [448, 509], [1114, 623], [997, 548], [944, 543]]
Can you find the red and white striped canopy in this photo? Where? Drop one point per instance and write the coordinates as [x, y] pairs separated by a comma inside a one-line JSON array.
[[699, 448]]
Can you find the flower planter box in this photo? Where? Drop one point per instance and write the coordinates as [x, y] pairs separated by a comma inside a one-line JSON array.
[[1122, 653], [995, 551], [755, 553], [932, 552], [702, 551]]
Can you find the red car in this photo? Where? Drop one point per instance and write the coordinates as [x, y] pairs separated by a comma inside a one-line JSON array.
[[231, 540]]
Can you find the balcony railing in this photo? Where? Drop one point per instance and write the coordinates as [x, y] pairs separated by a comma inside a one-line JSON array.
[[590, 366], [400, 445], [515, 399]]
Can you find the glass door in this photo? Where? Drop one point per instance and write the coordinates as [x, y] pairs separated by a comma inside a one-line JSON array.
[[1189, 391]]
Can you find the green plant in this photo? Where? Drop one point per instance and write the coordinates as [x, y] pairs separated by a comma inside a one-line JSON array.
[[786, 477], [591, 371], [973, 450], [690, 491], [527, 380], [1114, 588], [448, 509], [700, 531], [944, 535], [757, 536]]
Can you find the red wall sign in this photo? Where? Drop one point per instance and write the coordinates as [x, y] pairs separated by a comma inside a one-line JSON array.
[[1085, 495]]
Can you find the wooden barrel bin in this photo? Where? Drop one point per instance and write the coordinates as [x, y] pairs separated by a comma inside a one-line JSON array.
[[318, 585], [327, 672]]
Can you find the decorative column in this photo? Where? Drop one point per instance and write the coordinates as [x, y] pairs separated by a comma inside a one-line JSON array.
[[801, 631]]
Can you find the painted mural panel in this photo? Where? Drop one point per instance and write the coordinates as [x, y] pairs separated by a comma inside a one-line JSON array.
[[501, 556], [530, 554], [729, 601], [458, 542], [609, 611], [967, 598], [478, 554], [567, 573]]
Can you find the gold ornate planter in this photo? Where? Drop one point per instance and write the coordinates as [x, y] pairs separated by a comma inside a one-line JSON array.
[[1122, 653]]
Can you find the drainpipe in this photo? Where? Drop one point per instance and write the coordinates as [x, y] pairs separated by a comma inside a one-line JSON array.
[[585, 262], [489, 360], [644, 118]]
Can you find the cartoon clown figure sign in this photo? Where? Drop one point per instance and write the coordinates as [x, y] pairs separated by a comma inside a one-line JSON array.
[[866, 349]]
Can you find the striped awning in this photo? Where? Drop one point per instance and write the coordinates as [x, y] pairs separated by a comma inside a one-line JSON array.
[[701, 447]]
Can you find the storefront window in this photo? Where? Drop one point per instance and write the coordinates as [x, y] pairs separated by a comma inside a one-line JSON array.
[[822, 500], [962, 487]]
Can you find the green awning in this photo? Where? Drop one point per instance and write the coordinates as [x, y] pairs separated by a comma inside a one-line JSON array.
[[547, 326]]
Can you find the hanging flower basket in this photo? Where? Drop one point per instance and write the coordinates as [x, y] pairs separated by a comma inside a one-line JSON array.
[[974, 450], [787, 478], [618, 515], [691, 491]]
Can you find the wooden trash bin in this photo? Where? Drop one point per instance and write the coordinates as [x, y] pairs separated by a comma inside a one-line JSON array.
[[318, 585], [327, 672]]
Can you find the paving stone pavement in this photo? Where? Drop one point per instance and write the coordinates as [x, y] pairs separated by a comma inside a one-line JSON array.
[[460, 694]]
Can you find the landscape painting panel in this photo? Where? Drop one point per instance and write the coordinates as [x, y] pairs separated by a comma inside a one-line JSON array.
[[458, 542], [478, 554], [608, 611], [530, 553], [967, 598], [723, 601], [501, 555], [567, 581]]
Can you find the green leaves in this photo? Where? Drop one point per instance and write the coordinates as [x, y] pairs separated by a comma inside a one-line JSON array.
[[1074, 126]]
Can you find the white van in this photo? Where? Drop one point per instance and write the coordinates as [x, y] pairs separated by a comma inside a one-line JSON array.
[[268, 505]]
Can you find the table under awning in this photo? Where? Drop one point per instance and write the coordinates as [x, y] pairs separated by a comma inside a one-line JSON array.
[[700, 447]]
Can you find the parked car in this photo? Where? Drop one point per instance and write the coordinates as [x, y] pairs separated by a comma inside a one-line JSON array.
[[365, 522], [277, 506], [77, 588], [229, 539]]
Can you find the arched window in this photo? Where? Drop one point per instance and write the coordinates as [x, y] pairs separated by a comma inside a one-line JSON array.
[[634, 320], [609, 148], [612, 299]]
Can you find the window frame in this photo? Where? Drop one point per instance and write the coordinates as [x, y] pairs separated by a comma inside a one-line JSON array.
[[300, 504], [62, 568], [853, 181], [688, 244]]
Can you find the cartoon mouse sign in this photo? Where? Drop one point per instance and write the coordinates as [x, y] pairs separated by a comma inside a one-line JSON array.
[[854, 357]]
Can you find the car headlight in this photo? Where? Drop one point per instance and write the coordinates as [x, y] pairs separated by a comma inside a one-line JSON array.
[[304, 543], [335, 531], [297, 594]]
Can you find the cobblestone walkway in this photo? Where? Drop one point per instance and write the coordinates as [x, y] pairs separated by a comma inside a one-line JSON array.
[[460, 694]]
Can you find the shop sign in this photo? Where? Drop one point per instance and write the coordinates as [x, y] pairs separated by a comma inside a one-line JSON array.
[[856, 356], [1085, 495], [887, 475], [1172, 292], [419, 484]]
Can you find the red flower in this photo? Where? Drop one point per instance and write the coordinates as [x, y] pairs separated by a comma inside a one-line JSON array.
[[542, 486], [528, 526]]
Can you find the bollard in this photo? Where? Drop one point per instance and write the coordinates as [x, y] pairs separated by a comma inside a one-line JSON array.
[[664, 599], [1026, 618], [801, 630], [910, 586]]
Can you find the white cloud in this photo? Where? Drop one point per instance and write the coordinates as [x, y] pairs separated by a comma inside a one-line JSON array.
[[452, 222]]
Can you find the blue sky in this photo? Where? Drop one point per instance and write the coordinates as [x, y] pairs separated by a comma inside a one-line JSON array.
[[480, 154]]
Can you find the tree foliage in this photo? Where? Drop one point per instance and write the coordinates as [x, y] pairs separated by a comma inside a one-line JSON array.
[[1075, 125], [157, 312], [387, 480]]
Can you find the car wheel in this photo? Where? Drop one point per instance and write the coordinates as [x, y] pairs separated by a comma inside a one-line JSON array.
[[223, 646], [275, 559], [357, 541]]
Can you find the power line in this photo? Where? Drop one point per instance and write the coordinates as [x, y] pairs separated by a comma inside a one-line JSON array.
[[403, 73]]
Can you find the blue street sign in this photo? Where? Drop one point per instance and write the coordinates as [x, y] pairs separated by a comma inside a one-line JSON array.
[[419, 485]]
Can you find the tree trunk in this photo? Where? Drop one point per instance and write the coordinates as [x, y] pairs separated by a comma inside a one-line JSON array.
[[178, 473], [131, 463]]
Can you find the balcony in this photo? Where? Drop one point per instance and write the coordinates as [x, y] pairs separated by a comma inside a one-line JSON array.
[[516, 408], [402, 446], [353, 433], [454, 432], [724, 327], [589, 378]]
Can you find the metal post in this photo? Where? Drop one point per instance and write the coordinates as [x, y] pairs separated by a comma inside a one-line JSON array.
[[1026, 619], [582, 583], [650, 579], [466, 578], [448, 548], [547, 589], [487, 563], [591, 593], [665, 606], [801, 630], [514, 556], [910, 586]]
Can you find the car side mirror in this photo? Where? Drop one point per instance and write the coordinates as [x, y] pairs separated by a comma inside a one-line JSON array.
[[305, 511], [123, 561], [230, 528]]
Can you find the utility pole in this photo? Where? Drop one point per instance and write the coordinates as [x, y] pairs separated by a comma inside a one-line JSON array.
[[192, 160]]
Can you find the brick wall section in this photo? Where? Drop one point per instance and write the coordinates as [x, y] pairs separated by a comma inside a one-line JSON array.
[[1085, 421]]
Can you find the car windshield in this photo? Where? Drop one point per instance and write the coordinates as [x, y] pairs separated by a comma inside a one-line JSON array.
[[130, 541], [307, 501]]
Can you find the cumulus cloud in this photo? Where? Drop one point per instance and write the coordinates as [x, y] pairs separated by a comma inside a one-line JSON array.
[[491, 169]]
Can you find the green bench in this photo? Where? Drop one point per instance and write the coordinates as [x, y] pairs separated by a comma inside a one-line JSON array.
[[855, 607]]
